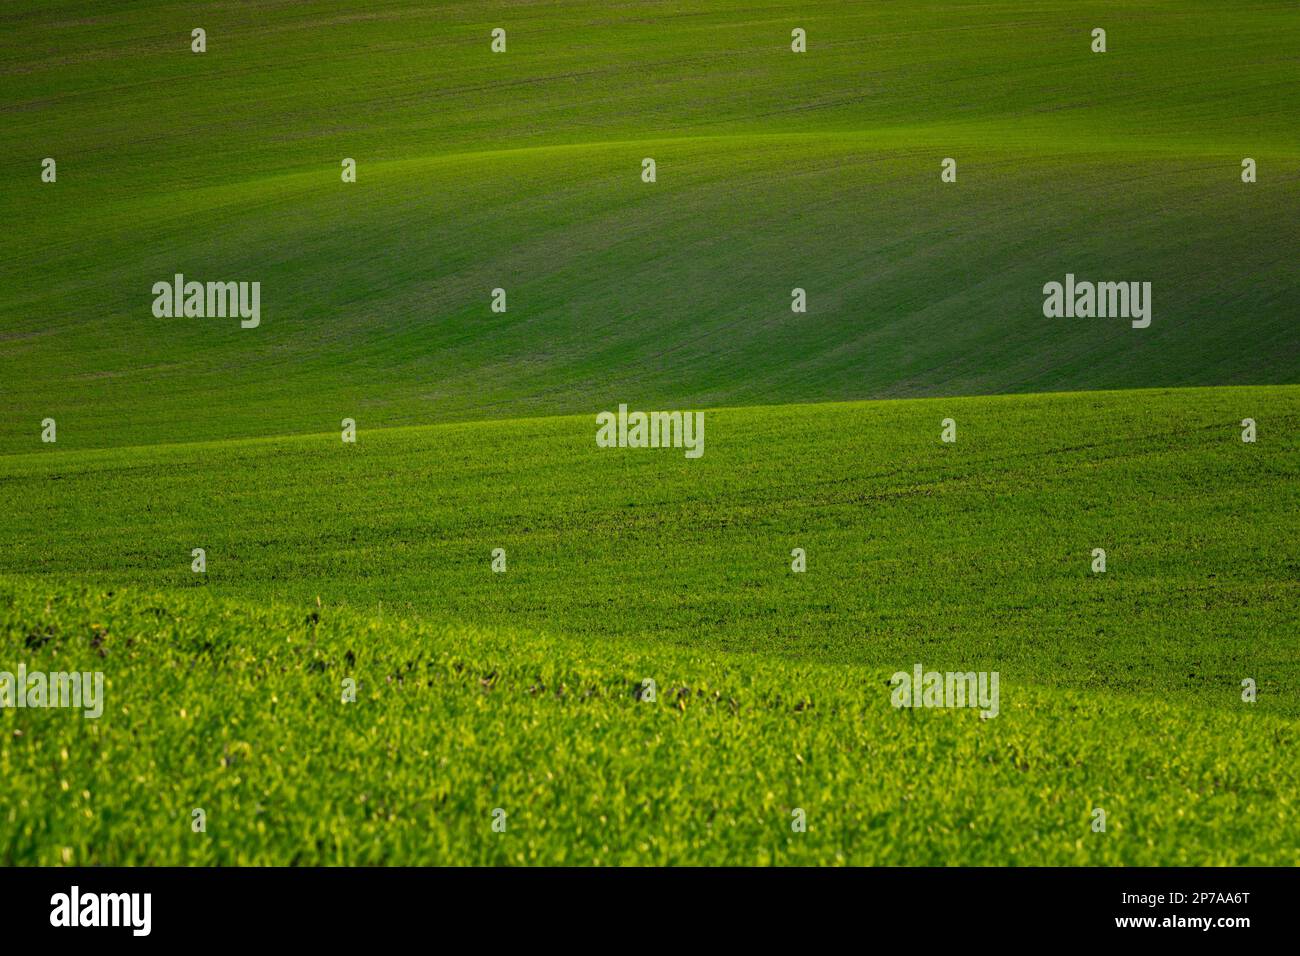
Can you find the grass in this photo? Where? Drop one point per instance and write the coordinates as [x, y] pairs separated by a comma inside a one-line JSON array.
[[238, 711], [776, 170], [1119, 690], [973, 552], [521, 171]]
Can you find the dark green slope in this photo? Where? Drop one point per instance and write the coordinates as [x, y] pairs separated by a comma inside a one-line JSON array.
[[521, 170]]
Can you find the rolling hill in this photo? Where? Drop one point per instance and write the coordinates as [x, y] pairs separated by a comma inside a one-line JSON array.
[[521, 171]]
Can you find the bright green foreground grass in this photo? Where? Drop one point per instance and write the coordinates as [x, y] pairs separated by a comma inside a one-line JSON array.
[[238, 711], [521, 171]]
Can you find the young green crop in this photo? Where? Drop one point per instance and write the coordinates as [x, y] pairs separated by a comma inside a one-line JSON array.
[[521, 171], [237, 711], [976, 553], [520, 691]]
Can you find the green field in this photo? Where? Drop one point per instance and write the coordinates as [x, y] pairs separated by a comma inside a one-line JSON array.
[[521, 171], [237, 711], [1119, 690], [519, 690]]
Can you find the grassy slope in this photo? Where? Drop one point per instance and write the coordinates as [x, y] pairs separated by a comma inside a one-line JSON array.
[[246, 723], [520, 170], [968, 555]]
